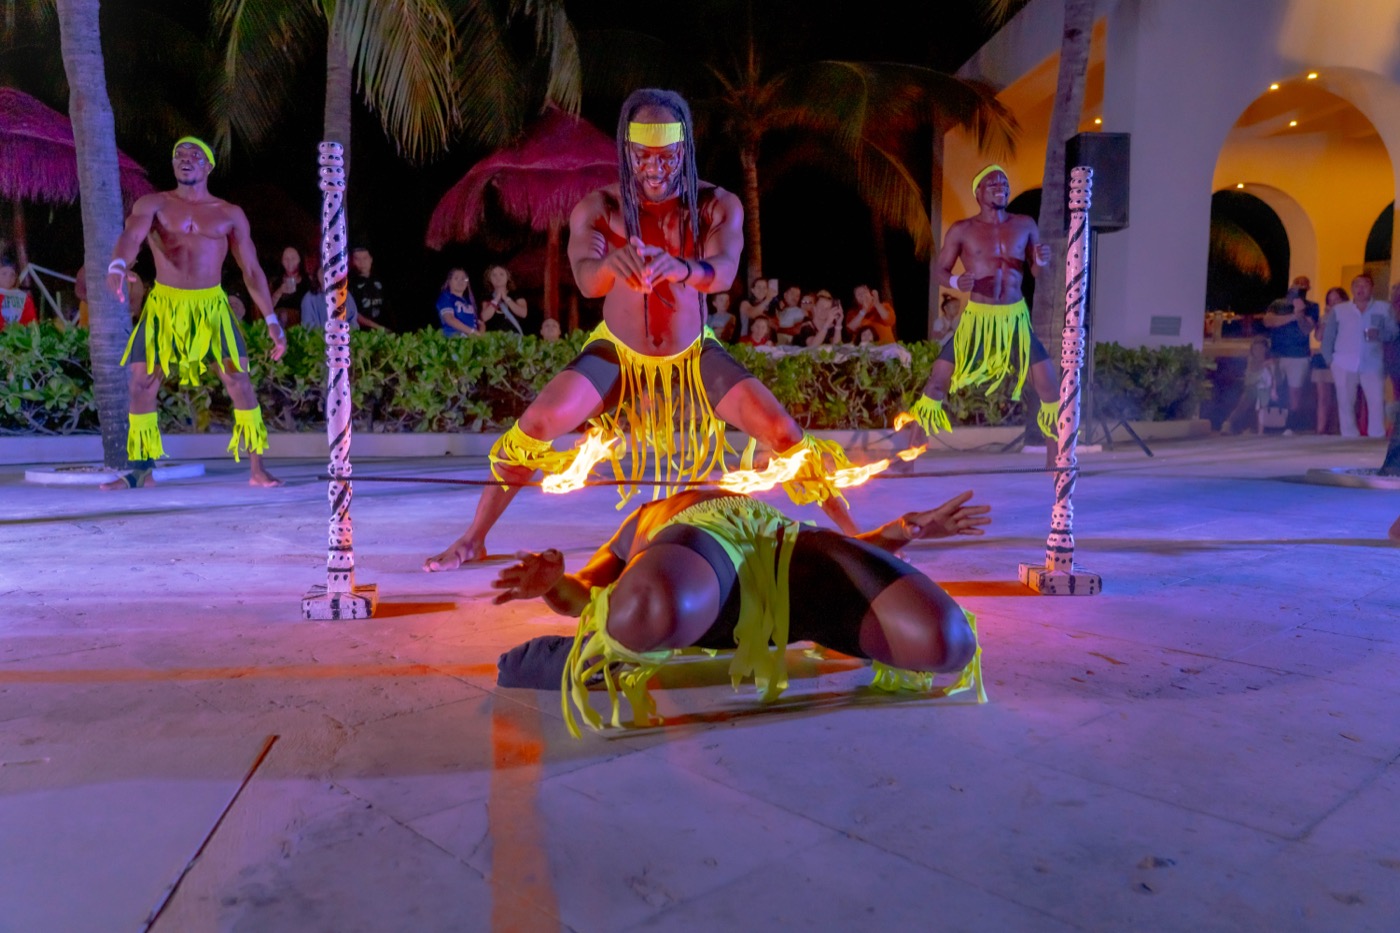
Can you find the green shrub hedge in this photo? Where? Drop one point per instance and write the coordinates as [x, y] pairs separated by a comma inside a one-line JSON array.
[[426, 382]]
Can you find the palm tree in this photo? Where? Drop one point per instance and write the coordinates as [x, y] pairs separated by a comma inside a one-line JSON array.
[[427, 68], [94, 135], [868, 110]]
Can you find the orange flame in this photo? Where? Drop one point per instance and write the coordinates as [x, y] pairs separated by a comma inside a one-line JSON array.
[[779, 470], [590, 451], [856, 476], [912, 453], [902, 419]]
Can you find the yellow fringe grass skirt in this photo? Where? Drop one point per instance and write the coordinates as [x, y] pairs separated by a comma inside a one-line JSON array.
[[984, 342], [181, 327]]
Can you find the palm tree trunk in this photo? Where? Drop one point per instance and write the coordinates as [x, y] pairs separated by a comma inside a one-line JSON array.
[[339, 87], [21, 237], [748, 159], [99, 187], [1048, 314]]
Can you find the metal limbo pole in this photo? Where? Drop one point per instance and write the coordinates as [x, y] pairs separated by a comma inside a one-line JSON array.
[[339, 597], [1058, 576]]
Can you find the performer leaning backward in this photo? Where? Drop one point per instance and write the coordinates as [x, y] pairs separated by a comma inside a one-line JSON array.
[[186, 320]]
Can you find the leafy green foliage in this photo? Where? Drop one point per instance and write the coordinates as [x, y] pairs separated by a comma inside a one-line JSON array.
[[424, 381]]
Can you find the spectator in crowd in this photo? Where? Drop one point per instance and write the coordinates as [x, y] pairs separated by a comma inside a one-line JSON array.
[[760, 332], [1391, 352], [18, 306], [720, 320], [291, 287], [790, 317], [549, 330], [1290, 321], [314, 312], [1261, 385], [501, 312], [946, 321], [825, 326], [1351, 344], [870, 311], [1323, 384], [456, 307], [366, 288], [866, 337], [758, 304]]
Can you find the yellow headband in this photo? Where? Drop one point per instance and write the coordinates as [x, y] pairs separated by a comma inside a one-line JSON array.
[[198, 143], [977, 179], [655, 135]]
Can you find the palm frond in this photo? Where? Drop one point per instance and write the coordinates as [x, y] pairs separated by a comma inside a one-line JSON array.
[[557, 43], [264, 42], [893, 195], [488, 86], [1232, 246], [401, 52]]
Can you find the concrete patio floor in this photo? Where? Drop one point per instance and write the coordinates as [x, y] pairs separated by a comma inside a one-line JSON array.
[[1211, 744]]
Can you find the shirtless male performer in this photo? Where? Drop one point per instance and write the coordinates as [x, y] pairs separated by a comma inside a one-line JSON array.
[[994, 335], [187, 318], [653, 245], [721, 571]]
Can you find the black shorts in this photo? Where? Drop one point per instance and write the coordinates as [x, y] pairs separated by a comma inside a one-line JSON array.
[[832, 582], [1038, 352], [598, 363]]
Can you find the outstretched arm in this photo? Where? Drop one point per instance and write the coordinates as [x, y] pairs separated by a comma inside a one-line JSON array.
[[542, 576], [954, 517]]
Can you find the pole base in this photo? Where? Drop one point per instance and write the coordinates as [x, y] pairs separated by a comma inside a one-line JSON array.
[[1078, 582], [319, 604]]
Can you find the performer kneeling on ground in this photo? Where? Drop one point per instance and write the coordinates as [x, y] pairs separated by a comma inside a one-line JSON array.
[[994, 336], [717, 570], [655, 244], [187, 320]]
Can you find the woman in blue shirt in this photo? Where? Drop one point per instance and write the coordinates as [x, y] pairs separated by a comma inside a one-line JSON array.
[[457, 307]]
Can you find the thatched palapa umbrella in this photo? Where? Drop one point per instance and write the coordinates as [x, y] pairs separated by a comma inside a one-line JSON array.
[[38, 161], [537, 182]]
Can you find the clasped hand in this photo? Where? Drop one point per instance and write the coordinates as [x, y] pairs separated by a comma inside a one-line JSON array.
[[643, 267]]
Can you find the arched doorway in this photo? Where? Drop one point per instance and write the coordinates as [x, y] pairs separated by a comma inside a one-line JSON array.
[[1249, 254]]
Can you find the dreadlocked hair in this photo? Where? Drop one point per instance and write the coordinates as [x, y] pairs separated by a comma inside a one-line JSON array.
[[690, 179]]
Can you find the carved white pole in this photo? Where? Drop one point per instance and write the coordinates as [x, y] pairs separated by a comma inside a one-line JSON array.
[[1058, 576], [339, 597]]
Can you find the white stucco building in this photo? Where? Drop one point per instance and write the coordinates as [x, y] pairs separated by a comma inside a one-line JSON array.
[[1294, 101]]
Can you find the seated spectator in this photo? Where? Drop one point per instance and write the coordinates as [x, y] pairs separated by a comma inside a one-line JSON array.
[[758, 304], [549, 330], [790, 317], [367, 288], [314, 311], [456, 307], [866, 337], [720, 320], [501, 312], [824, 329], [291, 286], [760, 333], [1261, 389], [18, 305], [871, 312], [946, 323]]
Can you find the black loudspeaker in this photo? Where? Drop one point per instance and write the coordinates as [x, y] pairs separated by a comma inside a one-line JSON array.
[[1108, 155]]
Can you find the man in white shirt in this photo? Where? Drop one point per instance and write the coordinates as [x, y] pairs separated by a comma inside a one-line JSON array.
[[1351, 344]]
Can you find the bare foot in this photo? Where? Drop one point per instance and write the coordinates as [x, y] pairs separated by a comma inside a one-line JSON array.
[[260, 477], [131, 480], [462, 551], [1395, 530]]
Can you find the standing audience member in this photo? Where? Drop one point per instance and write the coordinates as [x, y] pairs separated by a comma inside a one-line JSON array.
[[720, 320], [870, 311], [1261, 385], [790, 317], [758, 304], [1289, 321], [314, 312], [1323, 383], [1392, 348], [1351, 344], [501, 312], [456, 307], [366, 288], [286, 297], [825, 326], [18, 305]]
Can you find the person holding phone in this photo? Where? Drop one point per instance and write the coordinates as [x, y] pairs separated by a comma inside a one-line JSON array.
[[1352, 345]]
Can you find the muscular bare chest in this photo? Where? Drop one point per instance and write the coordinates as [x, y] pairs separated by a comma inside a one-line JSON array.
[[177, 224], [997, 245]]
